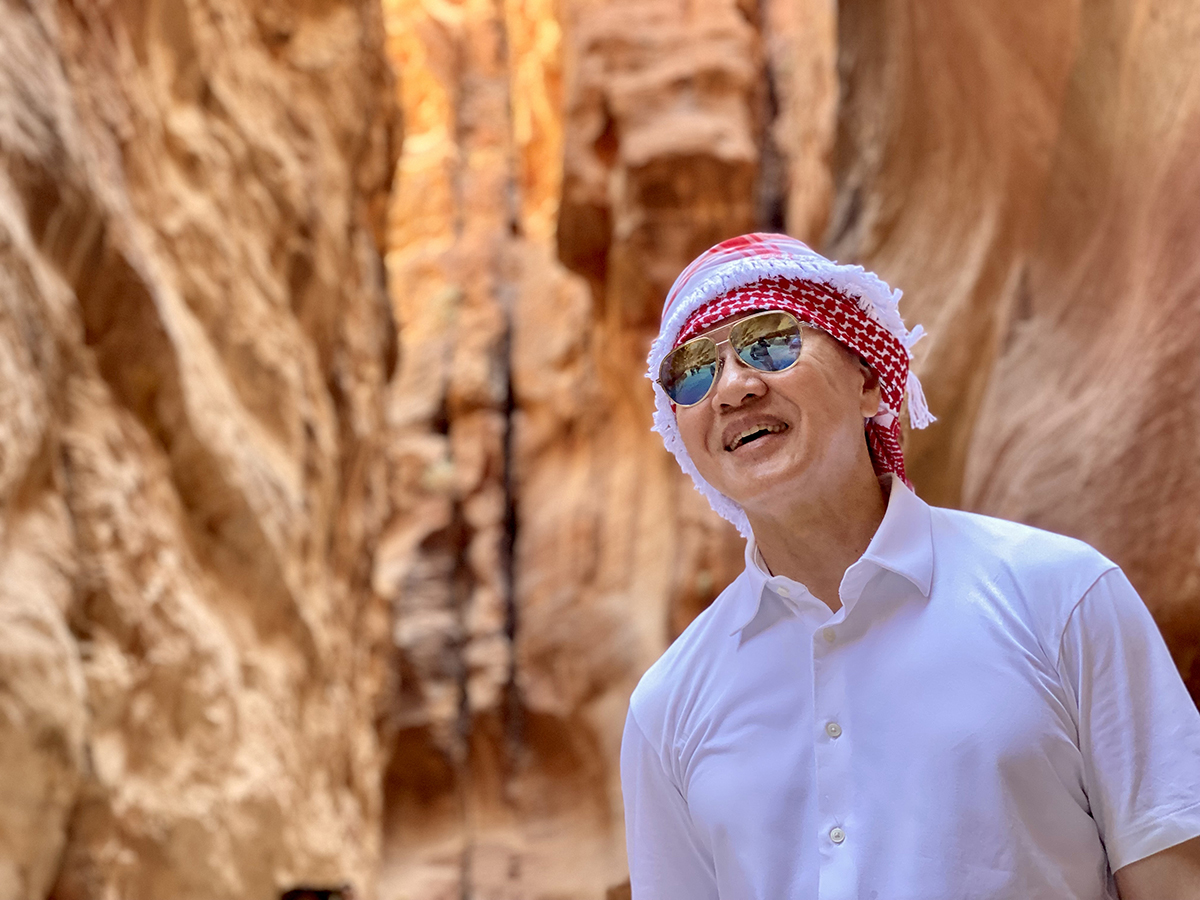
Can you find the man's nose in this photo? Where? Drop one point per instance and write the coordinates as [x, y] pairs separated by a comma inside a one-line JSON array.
[[736, 381]]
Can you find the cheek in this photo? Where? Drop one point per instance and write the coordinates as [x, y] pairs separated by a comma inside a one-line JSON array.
[[827, 407], [832, 385], [693, 428]]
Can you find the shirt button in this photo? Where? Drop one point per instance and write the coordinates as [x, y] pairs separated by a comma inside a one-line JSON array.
[[783, 591], [834, 730], [830, 635], [837, 835]]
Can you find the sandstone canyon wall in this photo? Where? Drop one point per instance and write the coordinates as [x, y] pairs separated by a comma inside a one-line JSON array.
[[194, 343], [561, 164], [300, 586]]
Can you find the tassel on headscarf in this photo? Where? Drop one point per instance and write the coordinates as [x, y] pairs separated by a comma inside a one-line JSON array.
[[919, 415]]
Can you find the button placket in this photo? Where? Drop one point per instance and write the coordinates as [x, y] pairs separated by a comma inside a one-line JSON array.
[[838, 878]]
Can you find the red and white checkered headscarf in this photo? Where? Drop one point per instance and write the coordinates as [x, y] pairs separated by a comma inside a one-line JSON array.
[[774, 271]]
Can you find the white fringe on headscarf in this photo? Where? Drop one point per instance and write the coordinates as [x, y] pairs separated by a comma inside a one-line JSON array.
[[872, 294]]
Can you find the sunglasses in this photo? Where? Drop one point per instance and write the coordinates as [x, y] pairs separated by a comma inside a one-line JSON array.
[[767, 341]]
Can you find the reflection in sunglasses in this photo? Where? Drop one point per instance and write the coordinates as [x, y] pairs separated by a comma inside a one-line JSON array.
[[767, 341]]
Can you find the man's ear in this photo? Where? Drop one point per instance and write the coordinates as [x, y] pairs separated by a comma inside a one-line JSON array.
[[871, 390]]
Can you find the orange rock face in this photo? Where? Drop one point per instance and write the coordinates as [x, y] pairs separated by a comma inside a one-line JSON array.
[[303, 587], [194, 341], [561, 165]]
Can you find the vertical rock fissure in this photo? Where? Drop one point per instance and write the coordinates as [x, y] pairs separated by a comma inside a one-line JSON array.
[[463, 575], [513, 719], [508, 296], [461, 588]]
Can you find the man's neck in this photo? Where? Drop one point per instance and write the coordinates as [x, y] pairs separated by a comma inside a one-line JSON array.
[[815, 540]]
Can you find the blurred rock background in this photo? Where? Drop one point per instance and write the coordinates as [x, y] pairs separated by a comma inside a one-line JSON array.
[[332, 534], [195, 340]]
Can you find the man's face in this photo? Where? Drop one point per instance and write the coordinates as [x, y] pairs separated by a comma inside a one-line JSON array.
[[762, 437]]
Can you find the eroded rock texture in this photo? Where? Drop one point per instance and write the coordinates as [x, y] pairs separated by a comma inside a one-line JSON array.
[[194, 342], [562, 163], [287, 600]]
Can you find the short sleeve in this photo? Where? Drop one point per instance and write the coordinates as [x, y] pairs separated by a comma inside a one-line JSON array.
[[667, 860], [1139, 731]]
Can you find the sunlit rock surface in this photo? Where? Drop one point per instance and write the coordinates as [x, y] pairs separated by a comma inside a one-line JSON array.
[[194, 343], [303, 586], [561, 164]]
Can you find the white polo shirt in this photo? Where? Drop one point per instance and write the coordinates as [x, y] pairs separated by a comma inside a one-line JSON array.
[[991, 714]]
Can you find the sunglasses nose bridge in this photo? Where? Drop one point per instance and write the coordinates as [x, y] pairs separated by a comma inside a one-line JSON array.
[[737, 372]]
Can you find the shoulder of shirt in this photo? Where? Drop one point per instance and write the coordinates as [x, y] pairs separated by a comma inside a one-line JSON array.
[[1025, 547], [686, 666], [1050, 572]]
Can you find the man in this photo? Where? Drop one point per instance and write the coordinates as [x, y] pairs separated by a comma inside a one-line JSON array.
[[892, 701]]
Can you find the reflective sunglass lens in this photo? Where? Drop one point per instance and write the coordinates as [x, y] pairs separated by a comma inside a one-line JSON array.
[[688, 372], [769, 342]]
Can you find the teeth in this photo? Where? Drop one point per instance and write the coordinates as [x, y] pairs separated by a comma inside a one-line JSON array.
[[741, 437]]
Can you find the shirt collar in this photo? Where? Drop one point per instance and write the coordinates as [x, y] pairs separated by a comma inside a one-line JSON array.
[[903, 544]]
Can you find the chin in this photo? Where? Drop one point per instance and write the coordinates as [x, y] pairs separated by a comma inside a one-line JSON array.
[[767, 487]]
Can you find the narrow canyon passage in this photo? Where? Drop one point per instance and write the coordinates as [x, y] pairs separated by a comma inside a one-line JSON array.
[[333, 536]]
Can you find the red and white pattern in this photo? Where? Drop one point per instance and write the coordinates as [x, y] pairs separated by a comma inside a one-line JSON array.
[[774, 271], [840, 317]]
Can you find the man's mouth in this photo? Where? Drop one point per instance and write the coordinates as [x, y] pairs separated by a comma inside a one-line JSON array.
[[753, 434]]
